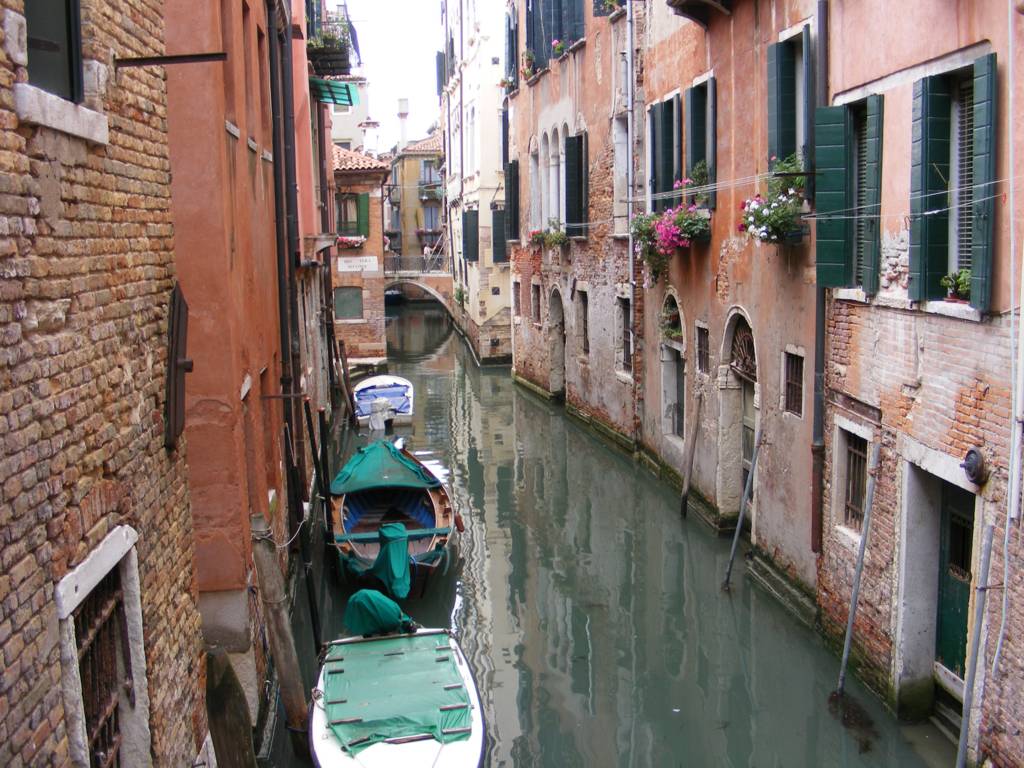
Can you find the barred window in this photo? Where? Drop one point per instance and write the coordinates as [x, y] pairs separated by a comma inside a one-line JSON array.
[[703, 352], [856, 480], [583, 321], [535, 302], [517, 301], [794, 386]]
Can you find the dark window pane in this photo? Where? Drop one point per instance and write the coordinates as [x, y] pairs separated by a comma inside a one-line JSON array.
[[54, 57], [794, 384], [856, 480], [348, 303], [703, 353]]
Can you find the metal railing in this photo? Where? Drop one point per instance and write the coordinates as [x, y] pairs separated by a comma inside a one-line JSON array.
[[435, 262]]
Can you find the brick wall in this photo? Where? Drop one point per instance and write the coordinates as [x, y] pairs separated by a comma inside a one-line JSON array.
[[86, 257]]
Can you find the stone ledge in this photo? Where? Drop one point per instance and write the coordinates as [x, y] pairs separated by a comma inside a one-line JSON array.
[[767, 576], [952, 309], [35, 106]]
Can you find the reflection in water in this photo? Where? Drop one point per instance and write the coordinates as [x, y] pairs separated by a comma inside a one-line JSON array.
[[591, 612]]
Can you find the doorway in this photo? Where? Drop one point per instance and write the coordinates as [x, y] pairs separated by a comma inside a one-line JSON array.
[[956, 537], [738, 419], [556, 344]]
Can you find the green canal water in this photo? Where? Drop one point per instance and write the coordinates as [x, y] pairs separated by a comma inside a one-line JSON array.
[[591, 612]]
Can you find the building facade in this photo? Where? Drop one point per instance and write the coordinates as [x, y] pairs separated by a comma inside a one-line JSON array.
[[351, 126], [97, 552], [359, 262], [415, 193], [472, 116]]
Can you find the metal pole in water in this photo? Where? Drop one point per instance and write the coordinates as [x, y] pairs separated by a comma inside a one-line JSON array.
[[743, 508], [862, 549], [972, 667], [691, 450]]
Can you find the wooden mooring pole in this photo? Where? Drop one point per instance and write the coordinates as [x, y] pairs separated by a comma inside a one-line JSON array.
[[691, 449], [274, 597], [854, 596], [981, 592], [726, 585]]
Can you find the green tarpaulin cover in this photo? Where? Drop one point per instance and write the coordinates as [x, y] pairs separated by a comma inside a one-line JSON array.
[[395, 687], [392, 563], [368, 612], [381, 465]]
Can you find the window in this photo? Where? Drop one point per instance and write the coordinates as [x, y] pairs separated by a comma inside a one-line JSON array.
[[512, 200], [348, 303], [247, 63], [431, 217], [353, 214], [703, 350], [548, 20], [535, 191], [794, 384], [624, 336], [54, 47], [471, 235], [789, 98], [583, 321], [620, 192], [673, 389], [535, 303], [856, 480], [951, 182], [663, 152], [576, 193], [701, 138], [342, 109], [517, 301], [556, 211], [428, 172]]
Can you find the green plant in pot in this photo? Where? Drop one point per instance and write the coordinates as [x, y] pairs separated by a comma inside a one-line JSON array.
[[957, 285], [645, 244], [670, 324], [555, 237]]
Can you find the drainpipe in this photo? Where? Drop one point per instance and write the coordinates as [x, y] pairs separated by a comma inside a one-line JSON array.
[[818, 442], [294, 250], [281, 232], [630, 95]]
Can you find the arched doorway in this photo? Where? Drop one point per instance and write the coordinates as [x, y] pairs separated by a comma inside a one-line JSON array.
[[556, 343], [673, 366], [739, 415]]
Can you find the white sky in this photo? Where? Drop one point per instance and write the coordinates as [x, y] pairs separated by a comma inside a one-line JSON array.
[[399, 40]]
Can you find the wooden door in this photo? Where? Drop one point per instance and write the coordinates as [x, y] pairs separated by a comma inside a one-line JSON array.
[[955, 550]]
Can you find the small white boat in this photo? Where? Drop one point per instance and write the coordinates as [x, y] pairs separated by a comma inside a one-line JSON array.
[[396, 701], [395, 390]]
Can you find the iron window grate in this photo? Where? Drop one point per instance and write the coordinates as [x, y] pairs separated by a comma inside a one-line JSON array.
[[964, 167], [101, 635], [794, 384], [856, 480]]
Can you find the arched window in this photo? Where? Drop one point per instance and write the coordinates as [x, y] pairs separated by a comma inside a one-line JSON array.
[[555, 193], [545, 186]]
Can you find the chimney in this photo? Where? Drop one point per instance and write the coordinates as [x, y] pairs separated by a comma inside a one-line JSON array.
[[403, 113]]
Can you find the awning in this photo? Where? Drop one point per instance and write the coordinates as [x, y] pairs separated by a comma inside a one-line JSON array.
[[332, 92]]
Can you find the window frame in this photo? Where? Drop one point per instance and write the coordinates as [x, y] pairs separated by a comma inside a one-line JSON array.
[[793, 388], [583, 320], [702, 341], [75, 91]]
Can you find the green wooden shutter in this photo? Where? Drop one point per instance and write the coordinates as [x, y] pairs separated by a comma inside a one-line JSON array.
[[677, 139], [363, 214], [781, 101], [666, 174], [929, 185], [711, 150], [807, 150], [984, 180], [440, 72], [654, 153], [832, 132], [512, 200], [471, 235], [573, 185], [499, 251], [873, 184], [585, 184]]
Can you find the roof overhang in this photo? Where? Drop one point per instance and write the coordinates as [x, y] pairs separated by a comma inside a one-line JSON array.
[[333, 92]]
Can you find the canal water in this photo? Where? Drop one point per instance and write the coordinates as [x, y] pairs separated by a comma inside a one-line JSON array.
[[591, 612]]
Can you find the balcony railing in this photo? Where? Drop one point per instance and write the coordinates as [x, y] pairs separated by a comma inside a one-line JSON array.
[[435, 262], [430, 190], [394, 240]]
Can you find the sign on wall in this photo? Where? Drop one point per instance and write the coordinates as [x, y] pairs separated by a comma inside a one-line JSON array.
[[358, 264]]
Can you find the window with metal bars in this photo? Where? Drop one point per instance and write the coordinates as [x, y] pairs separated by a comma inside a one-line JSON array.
[[584, 321], [856, 480], [703, 350], [627, 338], [794, 384], [862, 230], [535, 302], [104, 664], [517, 301], [961, 220]]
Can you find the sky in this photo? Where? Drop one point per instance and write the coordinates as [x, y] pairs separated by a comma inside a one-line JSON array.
[[398, 40]]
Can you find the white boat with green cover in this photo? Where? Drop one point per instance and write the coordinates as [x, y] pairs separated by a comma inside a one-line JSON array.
[[402, 699]]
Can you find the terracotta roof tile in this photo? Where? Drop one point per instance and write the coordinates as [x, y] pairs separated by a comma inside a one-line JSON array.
[[429, 146], [347, 160]]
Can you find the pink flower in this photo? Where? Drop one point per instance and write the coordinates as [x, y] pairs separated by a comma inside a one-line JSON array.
[[555, 43], [677, 184], [687, 181], [740, 228]]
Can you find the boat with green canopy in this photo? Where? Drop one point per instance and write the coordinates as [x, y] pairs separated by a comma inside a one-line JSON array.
[[391, 520], [394, 695]]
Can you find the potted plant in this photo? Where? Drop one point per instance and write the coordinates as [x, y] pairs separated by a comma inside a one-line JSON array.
[[670, 324], [958, 286], [537, 237], [645, 241], [460, 295], [775, 218], [528, 67], [559, 48], [328, 51], [506, 83], [610, 6], [679, 227], [347, 242], [554, 237]]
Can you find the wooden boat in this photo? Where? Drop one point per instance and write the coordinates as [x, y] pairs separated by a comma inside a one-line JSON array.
[[396, 390], [400, 699], [392, 521]]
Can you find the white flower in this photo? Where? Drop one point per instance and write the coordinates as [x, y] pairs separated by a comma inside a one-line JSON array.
[[753, 205], [792, 191], [752, 230]]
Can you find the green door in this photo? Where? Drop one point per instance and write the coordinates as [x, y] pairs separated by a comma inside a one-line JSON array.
[[747, 389], [955, 540]]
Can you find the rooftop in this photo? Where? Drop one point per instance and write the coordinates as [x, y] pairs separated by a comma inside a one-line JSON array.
[[348, 160], [429, 146]]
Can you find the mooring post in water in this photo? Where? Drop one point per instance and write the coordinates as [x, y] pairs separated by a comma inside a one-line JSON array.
[[972, 666], [688, 459], [274, 597], [855, 594], [743, 508]]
